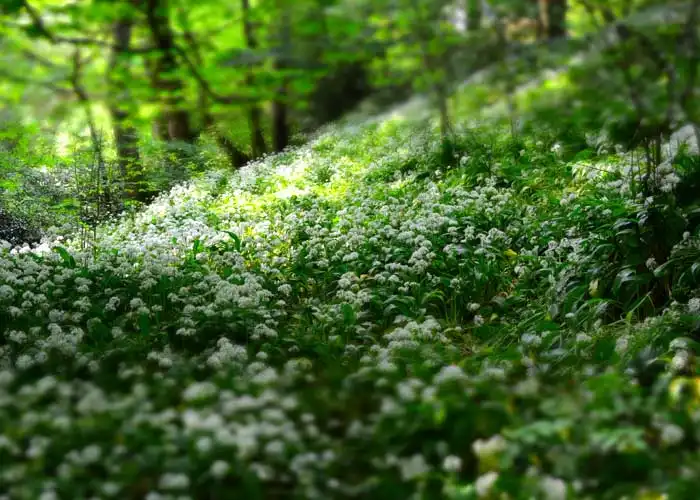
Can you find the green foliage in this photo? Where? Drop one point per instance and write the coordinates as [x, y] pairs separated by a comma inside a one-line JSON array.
[[509, 310], [476, 328]]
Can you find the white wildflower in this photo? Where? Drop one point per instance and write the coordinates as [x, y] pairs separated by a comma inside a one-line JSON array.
[[671, 434], [413, 467], [531, 339], [490, 447], [199, 390], [484, 483], [680, 361], [219, 469], [553, 488], [622, 344], [694, 305], [6, 292], [172, 481], [452, 463], [678, 344], [449, 373], [527, 388], [583, 338], [136, 303]]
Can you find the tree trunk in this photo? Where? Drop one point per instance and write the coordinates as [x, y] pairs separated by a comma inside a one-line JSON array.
[[84, 100], [257, 139], [280, 125], [169, 86], [125, 135], [443, 107], [95, 192], [474, 13], [435, 63], [236, 157], [553, 18]]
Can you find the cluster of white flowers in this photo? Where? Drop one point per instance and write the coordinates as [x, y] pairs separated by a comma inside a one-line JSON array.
[[490, 447]]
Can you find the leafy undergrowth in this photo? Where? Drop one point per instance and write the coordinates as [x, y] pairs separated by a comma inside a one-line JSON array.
[[374, 315]]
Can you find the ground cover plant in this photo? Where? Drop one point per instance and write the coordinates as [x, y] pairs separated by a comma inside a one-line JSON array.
[[363, 317], [489, 291]]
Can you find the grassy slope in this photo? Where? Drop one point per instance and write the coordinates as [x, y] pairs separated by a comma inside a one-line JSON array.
[[366, 316]]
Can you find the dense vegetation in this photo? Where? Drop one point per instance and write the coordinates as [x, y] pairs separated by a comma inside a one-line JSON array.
[[491, 290]]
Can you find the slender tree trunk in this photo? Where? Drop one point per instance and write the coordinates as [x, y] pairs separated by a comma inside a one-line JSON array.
[[553, 18], [236, 157], [474, 13], [258, 145], [99, 173], [541, 20], [436, 65], [280, 125], [125, 134], [443, 107], [164, 78], [257, 139], [84, 100], [509, 82]]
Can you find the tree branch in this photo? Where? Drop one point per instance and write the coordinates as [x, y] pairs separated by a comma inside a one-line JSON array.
[[49, 84], [39, 24], [32, 56], [46, 33], [206, 87]]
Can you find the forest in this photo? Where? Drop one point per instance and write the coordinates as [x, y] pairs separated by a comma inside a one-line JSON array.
[[334, 249]]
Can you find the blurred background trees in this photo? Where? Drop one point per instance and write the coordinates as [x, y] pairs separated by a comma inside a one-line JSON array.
[[109, 102]]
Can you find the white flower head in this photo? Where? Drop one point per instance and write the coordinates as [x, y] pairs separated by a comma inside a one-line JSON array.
[[680, 361], [413, 467], [553, 488], [671, 434], [449, 373], [484, 483], [219, 469], [694, 305], [174, 481], [490, 447], [622, 344], [678, 344], [452, 463]]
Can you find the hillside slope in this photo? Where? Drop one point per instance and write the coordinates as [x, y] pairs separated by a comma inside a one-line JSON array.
[[368, 316]]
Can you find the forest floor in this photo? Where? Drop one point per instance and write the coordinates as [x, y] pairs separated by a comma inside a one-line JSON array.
[[372, 315]]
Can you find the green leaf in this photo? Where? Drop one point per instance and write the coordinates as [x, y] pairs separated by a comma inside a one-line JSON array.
[[236, 240], [349, 315], [68, 259], [695, 270], [9, 7], [144, 324], [196, 246], [440, 415], [664, 268], [623, 277]]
